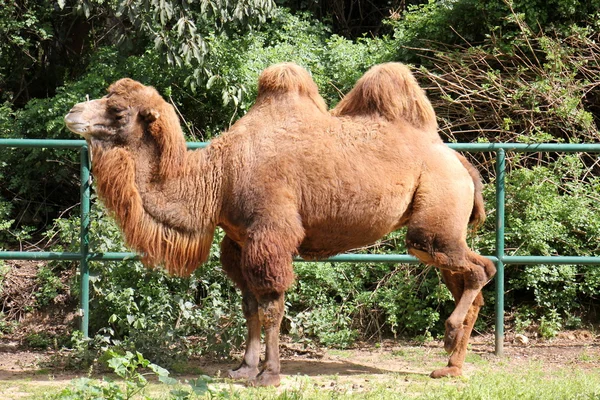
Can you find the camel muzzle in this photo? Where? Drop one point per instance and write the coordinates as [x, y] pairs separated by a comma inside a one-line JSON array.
[[76, 122]]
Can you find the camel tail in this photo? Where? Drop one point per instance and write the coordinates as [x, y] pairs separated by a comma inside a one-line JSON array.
[[478, 213], [391, 91], [288, 78]]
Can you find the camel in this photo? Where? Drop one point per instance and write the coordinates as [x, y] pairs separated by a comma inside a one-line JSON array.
[[290, 178]]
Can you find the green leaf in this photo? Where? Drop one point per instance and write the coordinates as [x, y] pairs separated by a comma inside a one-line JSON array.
[[158, 370], [119, 365], [211, 81], [167, 380], [200, 385]]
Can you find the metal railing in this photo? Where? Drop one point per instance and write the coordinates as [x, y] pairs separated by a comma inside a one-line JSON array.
[[499, 257]]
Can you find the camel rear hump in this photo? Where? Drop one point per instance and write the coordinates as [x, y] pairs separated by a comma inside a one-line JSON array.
[[389, 90], [288, 78]]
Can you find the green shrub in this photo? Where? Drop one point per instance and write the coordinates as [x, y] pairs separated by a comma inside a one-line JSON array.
[[132, 368], [49, 286], [550, 210]]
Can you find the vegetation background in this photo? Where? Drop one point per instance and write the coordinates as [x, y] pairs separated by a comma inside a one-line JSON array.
[[496, 71]]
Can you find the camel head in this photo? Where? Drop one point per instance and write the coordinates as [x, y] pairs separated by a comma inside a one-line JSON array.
[[120, 116], [124, 116]]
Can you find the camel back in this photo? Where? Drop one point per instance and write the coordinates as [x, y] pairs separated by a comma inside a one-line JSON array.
[[389, 90], [288, 78]]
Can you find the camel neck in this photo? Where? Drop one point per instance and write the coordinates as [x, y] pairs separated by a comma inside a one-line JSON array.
[[171, 220], [188, 200]]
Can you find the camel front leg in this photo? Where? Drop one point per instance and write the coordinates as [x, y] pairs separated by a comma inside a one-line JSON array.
[[270, 312], [248, 369], [231, 254], [455, 283]]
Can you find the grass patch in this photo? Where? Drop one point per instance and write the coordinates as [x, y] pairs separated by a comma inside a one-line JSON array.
[[340, 353], [531, 381], [409, 353]]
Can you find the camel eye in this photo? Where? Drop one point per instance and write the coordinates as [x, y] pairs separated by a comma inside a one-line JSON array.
[[118, 113]]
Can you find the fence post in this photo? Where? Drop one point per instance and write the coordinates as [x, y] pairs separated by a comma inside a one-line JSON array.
[[500, 197], [84, 270]]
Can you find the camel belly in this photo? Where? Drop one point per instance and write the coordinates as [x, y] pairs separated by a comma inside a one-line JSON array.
[[353, 219], [337, 236]]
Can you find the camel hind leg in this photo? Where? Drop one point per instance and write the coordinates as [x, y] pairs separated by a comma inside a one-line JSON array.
[[455, 283], [456, 257], [436, 235]]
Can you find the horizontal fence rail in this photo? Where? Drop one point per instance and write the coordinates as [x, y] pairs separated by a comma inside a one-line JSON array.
[[85, 255]]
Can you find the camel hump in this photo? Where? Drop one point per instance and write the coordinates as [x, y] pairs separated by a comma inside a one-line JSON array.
[[289, 78], [389, 90]]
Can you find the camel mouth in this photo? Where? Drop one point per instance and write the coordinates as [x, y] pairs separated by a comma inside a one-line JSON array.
[[78, 127], [85, 128]]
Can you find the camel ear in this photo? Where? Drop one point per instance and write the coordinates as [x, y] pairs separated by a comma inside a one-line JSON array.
[[150, 114]]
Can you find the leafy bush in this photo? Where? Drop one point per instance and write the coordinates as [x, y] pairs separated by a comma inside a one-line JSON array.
[[472, 22], [49, 286], [147, 310], [38, 340], [485, 95], [550, 210], [340, 302]]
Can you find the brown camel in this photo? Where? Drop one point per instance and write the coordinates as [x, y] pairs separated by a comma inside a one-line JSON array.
[[290, 178]]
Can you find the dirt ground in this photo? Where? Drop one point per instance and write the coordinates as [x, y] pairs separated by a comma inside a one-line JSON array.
[[365, 363]]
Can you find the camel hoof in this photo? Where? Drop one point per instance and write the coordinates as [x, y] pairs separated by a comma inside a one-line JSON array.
[[446, 372], [452, 339], [265, 379], [243, 372]]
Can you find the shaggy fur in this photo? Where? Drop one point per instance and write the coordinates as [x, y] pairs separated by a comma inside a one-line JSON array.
[[290, 178], [179, 249]]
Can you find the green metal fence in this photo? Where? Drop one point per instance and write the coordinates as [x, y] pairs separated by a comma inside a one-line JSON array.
[[85, 255]]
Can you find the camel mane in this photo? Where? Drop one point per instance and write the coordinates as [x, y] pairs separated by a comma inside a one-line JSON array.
[[391, 91], [163, 123], [288, 78], [179, 251]]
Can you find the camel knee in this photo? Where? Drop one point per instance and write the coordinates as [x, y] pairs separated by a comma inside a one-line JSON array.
[[453, 323], [488, 266], [481, 272], [270, 310], [249, 305]]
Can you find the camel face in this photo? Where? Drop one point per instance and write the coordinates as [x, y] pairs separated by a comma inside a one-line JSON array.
[[95, 119]]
